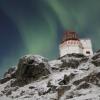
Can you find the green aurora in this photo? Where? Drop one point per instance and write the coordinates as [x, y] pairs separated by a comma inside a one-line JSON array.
[[41, 24]]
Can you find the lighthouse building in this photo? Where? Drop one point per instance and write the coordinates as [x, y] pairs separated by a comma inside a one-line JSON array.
[[72, 44]]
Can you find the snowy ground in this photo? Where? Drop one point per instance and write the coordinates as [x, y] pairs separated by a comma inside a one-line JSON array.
[[39, 90]]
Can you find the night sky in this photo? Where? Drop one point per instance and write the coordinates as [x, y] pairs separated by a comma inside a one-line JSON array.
[[36, 26]]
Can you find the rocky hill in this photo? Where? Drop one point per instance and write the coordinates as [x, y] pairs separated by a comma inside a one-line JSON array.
[[72, 77]]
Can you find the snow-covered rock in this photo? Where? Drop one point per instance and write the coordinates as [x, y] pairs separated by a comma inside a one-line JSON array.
[[31, 68], [72, 77]]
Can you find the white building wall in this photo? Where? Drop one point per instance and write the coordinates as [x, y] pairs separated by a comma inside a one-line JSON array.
[[87, 47], [84, 46], [69, 49]]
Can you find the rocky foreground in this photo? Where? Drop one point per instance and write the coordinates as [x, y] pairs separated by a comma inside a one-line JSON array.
[[72, 77]]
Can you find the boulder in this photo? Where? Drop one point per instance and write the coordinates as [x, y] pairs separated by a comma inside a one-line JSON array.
[[31, 68], [11, 73]]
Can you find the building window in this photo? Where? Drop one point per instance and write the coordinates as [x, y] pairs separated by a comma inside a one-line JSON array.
[[87, 52]]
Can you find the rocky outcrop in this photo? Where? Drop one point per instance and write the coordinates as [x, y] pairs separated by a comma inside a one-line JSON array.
[[72, 60], [31, 68], [10, 74], [93, 78], [70, 77], [96, 58]]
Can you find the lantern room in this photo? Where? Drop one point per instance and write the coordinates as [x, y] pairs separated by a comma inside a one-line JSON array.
[[69, 36]]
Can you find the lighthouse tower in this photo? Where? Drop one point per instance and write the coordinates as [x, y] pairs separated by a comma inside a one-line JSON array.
[[70, 44]]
